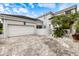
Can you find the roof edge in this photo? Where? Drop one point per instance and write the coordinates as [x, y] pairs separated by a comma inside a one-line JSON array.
[[45, 14]]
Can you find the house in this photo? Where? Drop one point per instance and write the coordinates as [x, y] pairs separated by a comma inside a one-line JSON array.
[[16, 25], [46, 18]]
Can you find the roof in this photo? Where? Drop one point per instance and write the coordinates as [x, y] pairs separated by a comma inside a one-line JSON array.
[[46, 14], [66, 9], [20, 16]]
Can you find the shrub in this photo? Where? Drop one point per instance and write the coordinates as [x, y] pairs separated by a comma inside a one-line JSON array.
[[1, 30], [77, 27], [59, 32], [1, 25]]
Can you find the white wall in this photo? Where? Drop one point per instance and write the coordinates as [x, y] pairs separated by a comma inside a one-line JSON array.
[[47, 22], [42, 32]]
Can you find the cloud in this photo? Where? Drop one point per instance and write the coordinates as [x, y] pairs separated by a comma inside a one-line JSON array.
[[1, 8], [12, 9], [23, 10], [65, 5], [6, 4], [34, 14], [47, 5], [15, 10], [62, 7], [7, 10]]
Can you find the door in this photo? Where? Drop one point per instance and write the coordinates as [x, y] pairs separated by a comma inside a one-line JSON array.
[[14, 30]]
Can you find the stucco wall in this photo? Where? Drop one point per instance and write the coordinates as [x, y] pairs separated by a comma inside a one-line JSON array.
[[42, 32], [47, 23]]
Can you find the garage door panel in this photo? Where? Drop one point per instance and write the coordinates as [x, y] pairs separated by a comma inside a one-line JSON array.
[[20, 30]]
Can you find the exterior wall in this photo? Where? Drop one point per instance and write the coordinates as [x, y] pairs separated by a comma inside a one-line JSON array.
[[5, 29], [15, 22], [42, 32], [20, 19], [73, 11], [47, 23], [11, 22], [78, 9]]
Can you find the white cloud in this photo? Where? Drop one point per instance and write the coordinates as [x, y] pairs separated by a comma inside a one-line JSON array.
[[15, 10], [47, 5], [62, 7], [23, 10], [34, 14], [6, 4], [65, 5], [7, 10], [1, 8]]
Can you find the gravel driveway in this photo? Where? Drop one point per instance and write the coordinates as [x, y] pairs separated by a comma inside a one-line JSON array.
[[37, 46]]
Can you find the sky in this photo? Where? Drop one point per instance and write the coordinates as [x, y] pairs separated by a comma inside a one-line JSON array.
[[32, 9]]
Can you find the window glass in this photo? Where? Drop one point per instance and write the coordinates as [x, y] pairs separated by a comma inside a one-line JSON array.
[[39, 26]]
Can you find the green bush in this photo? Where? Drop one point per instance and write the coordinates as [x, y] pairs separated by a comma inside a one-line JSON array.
[[77, 27], [66, 26], [1, 25], [59, 32], [64, 22], [1, 30]]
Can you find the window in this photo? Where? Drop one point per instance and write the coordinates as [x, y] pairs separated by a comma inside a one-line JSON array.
[[39, 26], [44, 26]]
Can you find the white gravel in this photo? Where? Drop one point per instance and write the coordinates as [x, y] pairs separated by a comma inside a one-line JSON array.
[[38, 46]]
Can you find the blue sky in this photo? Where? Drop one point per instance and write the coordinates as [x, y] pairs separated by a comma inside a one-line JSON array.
[[32, 9]]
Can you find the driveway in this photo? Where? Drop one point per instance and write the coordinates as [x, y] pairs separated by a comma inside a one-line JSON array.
[[32, 45]]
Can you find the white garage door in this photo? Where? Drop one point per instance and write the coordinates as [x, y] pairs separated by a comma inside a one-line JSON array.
[[20, 30]]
